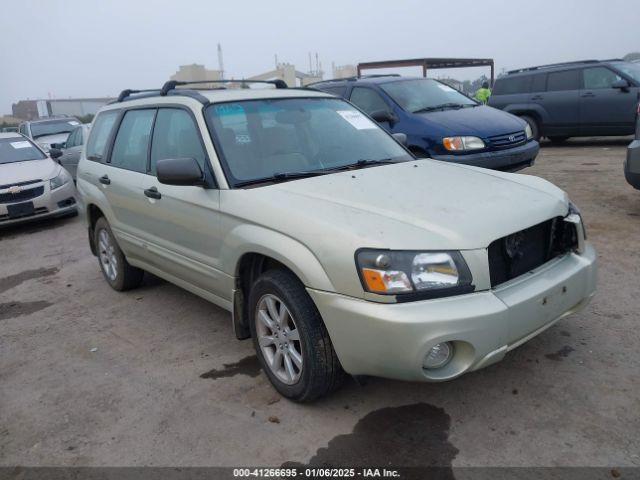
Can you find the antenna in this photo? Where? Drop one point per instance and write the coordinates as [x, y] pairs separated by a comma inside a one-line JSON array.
[[220, 62]]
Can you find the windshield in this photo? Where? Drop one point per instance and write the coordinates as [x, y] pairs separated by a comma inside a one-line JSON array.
[[424, 94], [51, 127], [18, 149], [631, 69], [263, 139]]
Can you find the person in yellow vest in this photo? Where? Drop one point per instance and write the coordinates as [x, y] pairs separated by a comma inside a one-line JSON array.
[[483, 94]]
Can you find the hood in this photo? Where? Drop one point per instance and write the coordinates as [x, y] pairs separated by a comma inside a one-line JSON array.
[[423, 204], [17, 172], [45, 141], [482, 121]]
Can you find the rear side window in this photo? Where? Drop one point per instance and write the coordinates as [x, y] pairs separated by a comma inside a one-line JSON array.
[[368, 100], [131, 147], [100, 133], [512, 85], [599, 77], [72, 139], [560, 81], [175, 135]]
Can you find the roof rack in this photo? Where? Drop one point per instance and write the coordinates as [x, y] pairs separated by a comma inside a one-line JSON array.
[[562, 64], [124, 94], [172, 84]]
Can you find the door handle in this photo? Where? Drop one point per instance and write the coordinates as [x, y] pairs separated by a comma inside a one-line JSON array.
[[153, 193], [105, 180], [587, 95]]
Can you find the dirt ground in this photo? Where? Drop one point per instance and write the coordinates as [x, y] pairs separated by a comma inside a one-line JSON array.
[[89, 376]]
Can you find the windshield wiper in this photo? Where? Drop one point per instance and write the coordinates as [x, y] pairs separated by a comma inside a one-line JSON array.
[[442, 106], [284, 176], [281, 177]]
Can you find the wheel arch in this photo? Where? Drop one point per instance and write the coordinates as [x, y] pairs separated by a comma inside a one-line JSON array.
[[93, 214], [259, 250]]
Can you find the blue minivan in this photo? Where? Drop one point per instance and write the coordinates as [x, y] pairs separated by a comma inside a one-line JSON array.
[[439, 121]]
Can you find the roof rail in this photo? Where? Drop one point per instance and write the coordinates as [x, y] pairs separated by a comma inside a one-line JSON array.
[[172, 84], [560, 64], [353, 79]]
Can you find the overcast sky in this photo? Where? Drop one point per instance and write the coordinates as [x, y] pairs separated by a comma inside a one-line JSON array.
[[86, 48]]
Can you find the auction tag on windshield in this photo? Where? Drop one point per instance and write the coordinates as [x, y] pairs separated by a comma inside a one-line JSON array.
[[356, 119], [446, 88], [23, 144], [73, 122]]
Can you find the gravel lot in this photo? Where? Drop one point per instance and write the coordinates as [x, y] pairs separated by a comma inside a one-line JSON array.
[[89, 376]]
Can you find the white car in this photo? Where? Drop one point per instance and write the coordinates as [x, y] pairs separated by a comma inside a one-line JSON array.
[[32, 185]]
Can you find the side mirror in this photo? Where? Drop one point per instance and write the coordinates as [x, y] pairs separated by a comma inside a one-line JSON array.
[[401, 138], [384, 116], [59, 145], [55, 153], [622, 84], [179, 171]]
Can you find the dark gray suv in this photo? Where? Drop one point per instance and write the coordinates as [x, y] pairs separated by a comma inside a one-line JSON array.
[[576, 99]]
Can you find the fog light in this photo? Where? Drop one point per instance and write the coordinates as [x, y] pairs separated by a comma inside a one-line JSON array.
[[438, 356]]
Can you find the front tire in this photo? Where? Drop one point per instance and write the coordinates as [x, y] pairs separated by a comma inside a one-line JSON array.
[[114, 266], [535, 127], [290, 338]]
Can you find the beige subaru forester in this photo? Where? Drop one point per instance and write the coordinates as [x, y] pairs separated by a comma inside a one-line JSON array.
[[334, 249]]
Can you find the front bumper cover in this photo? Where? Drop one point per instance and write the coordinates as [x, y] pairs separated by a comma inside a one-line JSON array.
[[510, 159], [632, 164], [51, 203], [391, 340]]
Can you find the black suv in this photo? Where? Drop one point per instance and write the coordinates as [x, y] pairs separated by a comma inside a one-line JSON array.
[[576, 99]]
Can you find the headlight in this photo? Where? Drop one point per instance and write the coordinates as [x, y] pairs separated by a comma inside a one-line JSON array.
[[573, 210], [528, 132], [59, 180], [458, 144], [389, 272]]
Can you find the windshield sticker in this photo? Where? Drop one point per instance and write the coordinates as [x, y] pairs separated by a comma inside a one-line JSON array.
[[73, 122], [23, 144], [356, 119], [446, 88]]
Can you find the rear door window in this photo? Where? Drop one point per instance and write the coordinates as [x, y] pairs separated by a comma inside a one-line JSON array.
[[100, 134], [175, 135], [131, 147], [539, 82], [560, 81], [513, 85]]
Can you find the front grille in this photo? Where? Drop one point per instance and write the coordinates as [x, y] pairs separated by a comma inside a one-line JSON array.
[[523, 251], [36, 211], [507, 141], [22, 195], [19, 184]]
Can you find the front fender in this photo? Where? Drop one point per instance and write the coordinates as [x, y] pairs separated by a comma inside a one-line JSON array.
[[291, 253]]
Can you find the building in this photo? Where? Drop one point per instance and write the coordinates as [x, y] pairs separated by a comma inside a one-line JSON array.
[[76, 107], [291, 76], [196, 73], [344, 71]]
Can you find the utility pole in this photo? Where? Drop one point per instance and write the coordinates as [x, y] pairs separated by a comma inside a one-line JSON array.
[[220, 62]]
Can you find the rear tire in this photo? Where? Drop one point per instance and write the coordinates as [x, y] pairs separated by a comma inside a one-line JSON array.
[[114, 266], [302, 366], [533, 123]]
